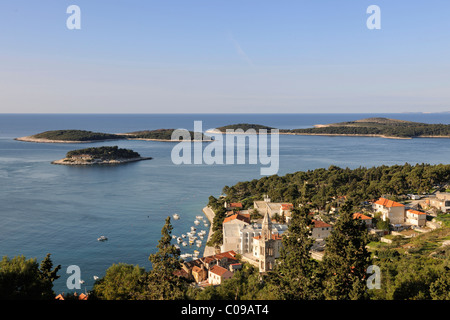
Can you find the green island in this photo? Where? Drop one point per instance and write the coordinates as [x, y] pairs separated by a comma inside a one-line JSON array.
[[99, 156], [70, 136], [372, 127], [160, 135], [244, 126], [84, 136]]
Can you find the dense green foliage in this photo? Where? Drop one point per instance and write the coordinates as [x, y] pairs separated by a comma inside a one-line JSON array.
[[370, 126], [121, 282], [105, 153], [162, 134], [76, 135], [245, 127], [162, 283], [217, 205], [297, 276], [346, 258], [24, 279], [381, 126], [323, 186]]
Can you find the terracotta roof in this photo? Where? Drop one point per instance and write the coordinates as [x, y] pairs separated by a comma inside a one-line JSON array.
[[236, 205], [83, 297], [320, 224], [240, 216], [388, 203], [416, 212], [287, 206], [220, 271], [361, 216]]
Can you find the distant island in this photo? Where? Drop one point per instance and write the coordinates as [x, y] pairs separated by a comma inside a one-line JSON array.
[[159, 135], [70, 136], [99, 156], [370, 127], [243, 126], [381, 127], [84, 136]]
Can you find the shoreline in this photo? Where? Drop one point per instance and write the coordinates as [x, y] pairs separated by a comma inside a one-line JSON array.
[[332, 135], [209, 213], [39, 140], [71, 162]]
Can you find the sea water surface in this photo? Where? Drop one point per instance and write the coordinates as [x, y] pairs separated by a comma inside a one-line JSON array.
[[62, 210]]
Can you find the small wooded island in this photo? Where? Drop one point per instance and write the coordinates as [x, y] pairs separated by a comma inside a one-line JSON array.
[[370, 127], [84, 136], [100, 156]]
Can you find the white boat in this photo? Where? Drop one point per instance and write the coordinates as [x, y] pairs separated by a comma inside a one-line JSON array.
[[184, 243], [206, 224], [183, 235], [199, 217], [102, 238], [179, 240], [199, 244], [193, 228], [174, 236], [176, 216], [196, 222], [95, 278], [201, 237]]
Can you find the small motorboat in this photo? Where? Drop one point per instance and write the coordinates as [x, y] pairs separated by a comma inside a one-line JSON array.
[[183, 235], [199, 217], [102, 238], [96, 278], [174, 236], [196, 222], [193, 228], [184, 243], [176, 216], [179, 240]]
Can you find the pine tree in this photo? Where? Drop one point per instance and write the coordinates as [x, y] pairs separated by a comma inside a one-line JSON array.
[[296, 275], [161, 283], [346, 258], [48, 274]]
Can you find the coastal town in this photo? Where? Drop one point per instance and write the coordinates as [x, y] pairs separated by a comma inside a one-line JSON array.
[[258, 241]]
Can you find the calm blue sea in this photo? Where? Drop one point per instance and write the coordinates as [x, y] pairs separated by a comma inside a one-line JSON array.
[[62, 210]]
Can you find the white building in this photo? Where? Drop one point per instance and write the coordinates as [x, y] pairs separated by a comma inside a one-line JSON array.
[[391, 210], [416, 218]]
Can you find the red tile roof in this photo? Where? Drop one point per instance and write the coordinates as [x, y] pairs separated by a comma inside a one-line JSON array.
[[240, 216], [320, 224], [287, 206], [416, 212], [361, 216], [236, 205], [220, 271], [388, 203]]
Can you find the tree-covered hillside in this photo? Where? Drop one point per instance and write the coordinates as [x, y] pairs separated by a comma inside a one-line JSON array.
[[75, 135], [105, 153]]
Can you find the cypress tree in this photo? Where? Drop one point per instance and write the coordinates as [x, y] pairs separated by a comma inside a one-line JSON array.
[[161, 283], [296, 275], [346, 258]]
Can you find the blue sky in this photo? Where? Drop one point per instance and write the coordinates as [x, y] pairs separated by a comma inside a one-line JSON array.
[[144, 56]]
